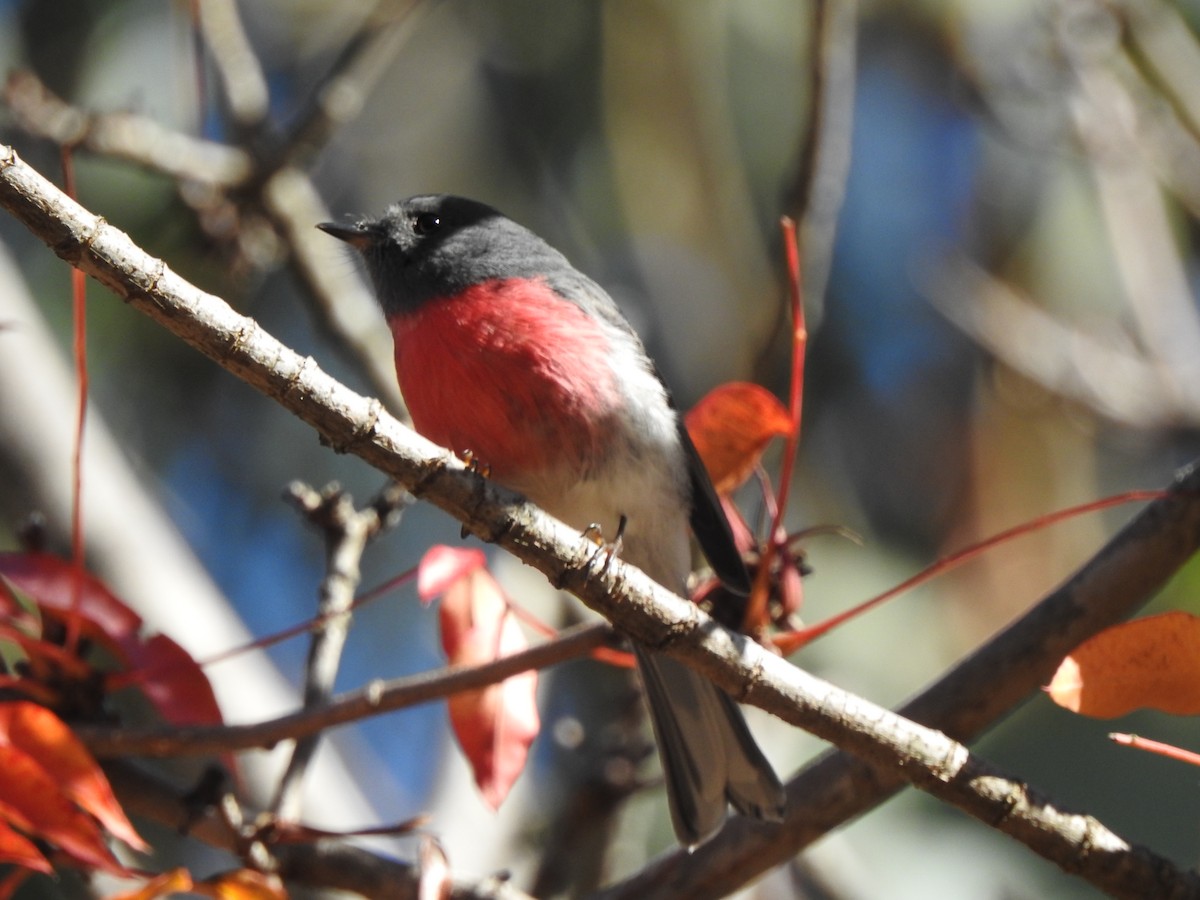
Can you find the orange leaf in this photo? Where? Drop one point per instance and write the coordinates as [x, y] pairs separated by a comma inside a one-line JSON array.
[[34, 802], [494, 725], [1152, 662], [176, 881], [242, 884], [20, 851], [731, 426], [441, 566], [44, 737]]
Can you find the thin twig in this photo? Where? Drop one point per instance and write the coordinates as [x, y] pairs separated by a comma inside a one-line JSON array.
[[816, 197], [213, 178], [347, 532], [376, 698]]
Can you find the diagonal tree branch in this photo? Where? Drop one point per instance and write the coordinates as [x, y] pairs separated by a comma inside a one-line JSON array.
[[351, 423], [375, 699], [1127, 572]]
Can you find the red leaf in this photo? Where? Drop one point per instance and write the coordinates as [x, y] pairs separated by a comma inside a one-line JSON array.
[[41, 735], [175, 683], [441, 566], [1152, 662], [731, 426], [494, 725], [35, 803]]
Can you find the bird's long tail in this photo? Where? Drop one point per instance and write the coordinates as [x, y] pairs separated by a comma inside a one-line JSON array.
[[709, 757]]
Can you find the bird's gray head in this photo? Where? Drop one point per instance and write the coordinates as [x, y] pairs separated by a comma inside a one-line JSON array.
[[436, 245]]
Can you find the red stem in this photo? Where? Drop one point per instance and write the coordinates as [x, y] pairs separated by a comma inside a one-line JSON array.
[[756, 608], [799, 346], [1168, 750], [79, 310], [793, 641]]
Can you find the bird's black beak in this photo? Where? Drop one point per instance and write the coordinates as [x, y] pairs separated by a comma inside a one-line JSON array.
[[360, 236]]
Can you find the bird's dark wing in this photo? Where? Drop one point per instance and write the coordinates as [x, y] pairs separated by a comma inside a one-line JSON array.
[[710, 525]]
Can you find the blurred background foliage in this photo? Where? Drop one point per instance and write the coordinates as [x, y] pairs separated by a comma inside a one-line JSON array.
[[1002, 264]]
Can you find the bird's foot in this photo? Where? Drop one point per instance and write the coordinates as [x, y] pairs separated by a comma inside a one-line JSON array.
[[605, 550], [479, 467]]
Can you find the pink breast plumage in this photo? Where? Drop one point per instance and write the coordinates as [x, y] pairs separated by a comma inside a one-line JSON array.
[[511, 371]]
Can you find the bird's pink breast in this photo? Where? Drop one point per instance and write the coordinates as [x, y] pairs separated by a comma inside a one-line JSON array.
[[512, 372]]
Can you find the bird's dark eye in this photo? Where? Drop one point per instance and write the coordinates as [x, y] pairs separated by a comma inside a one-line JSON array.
[[426, 223]]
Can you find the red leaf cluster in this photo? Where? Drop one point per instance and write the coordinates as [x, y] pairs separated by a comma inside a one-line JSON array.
[[164, 672], [51, 789]]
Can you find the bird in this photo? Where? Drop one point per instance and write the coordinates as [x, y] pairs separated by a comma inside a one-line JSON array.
[[508, 353]]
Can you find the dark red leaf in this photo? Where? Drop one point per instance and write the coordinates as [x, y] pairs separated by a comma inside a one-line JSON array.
[[49, 579], [163, 670]]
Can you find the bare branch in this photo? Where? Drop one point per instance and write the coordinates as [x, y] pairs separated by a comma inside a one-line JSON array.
[[347, 532], [1110, 377], [326, 863], [284, 194], [125, 136], [340, 98]]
